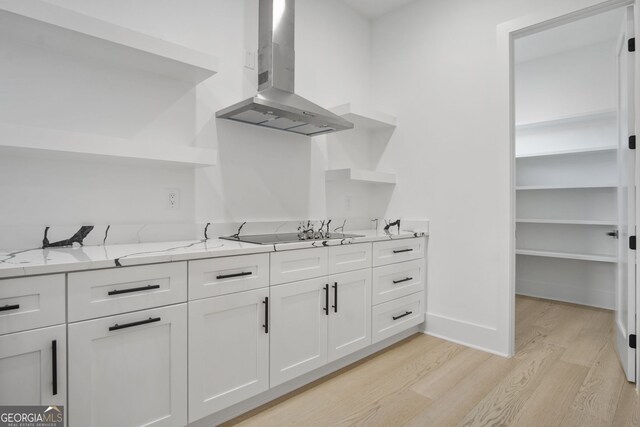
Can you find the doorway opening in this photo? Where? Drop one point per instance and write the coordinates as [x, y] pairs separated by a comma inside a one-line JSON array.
[[574, 174]]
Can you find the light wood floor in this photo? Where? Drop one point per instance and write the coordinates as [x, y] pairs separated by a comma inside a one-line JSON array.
[[565, 373]]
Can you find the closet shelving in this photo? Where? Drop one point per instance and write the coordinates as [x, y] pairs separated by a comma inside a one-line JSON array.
[[60, 31], [566, 207]]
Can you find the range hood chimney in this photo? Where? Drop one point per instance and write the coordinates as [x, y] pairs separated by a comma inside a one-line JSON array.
[[276, 105]]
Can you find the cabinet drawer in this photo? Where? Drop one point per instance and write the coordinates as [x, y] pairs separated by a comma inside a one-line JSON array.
[[400, 250], [349, 257], [396, 316], [220, 276], [290, 266], [31, 302], [101, 293], [397, 280]]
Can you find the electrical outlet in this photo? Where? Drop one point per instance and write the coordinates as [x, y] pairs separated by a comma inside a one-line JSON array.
[[173, 199]]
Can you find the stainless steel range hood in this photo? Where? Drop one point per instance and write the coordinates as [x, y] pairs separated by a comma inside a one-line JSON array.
[[276, 105]]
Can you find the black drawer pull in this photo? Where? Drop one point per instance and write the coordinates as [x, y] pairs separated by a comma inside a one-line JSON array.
[[10, 307], [127, 291], [335, 297], [402, 315], [395, 282], [229, 276], [54, 367], [399, 251], [132, 324], [266, 315], [326, 299]]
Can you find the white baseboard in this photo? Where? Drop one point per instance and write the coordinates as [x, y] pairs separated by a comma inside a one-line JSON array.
[[464, 333], [567, 293]]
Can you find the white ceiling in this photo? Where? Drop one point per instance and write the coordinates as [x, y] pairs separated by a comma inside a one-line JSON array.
[[373, 9], [595, 29]]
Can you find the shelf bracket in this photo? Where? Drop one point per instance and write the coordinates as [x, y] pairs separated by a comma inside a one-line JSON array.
[[632, 340], [631, 44], [632, 243], [632, 142]]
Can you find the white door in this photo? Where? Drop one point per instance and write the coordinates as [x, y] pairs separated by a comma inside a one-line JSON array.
[[228, 350], [626, 283], [299, 313], [350, 313], [33, 367], [129, 370]]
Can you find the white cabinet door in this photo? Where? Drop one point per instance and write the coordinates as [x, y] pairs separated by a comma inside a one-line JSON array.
[[299, 314], [301, 264], [33, 367], [129, 370], [228, 350], [350, 314]]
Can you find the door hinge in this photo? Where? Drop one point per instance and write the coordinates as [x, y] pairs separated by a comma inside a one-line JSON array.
[[632, 340], [631, 44], [632, 243], [632, 142]]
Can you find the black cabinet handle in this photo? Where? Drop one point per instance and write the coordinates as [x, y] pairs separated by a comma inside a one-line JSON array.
[[229, 276], [54, 367], [266, 315], [402, 315], [335, 297], [10, 307], [132, 324], [395, 282], [326, 299], [127, 291], [399, 251]]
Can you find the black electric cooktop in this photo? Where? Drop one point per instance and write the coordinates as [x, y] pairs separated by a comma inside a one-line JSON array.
[[271, 239]]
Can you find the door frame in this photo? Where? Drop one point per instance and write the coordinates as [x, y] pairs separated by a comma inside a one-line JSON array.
[[506, 34]]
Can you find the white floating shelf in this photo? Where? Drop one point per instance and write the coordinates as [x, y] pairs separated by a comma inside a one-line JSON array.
[[365, 118], [564, 187], [568, 152], [56, 28], [566, 221], [567, 255], [361, 175], [571, 118], [54, 142]]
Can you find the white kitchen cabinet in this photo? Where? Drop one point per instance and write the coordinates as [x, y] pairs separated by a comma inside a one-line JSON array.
[[107, 292], [31, 302], [344, 258], [33, 367], [350, 313], [301, 264], [395, 316], [318, 321], [298, 331], [228, 350], [227, 275], [397, 250], [129, 369]]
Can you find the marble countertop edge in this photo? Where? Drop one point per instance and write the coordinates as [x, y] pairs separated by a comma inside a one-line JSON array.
[[73, 259]]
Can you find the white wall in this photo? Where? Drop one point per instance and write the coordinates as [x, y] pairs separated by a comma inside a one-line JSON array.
[[581, 80], [435, 65], [261, 174]]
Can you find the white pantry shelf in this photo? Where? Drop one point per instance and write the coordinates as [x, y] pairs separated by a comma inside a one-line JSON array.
[[565, 221], [564, 187], [361, 175], [50, 143], [567, 255], [609, 113], [365, 118], [51, 27], [587, 150]]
